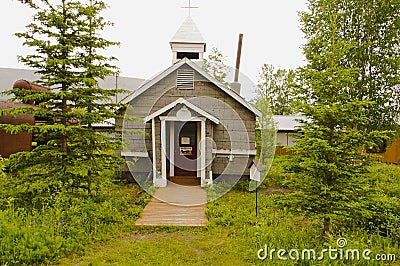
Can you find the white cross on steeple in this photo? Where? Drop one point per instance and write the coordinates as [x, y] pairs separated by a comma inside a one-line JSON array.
[[190, 7]]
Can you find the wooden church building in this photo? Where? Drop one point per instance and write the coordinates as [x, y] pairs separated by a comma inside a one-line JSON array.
[[191, 126]]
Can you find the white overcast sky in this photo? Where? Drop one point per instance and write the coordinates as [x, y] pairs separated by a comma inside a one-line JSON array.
[[144, 28]]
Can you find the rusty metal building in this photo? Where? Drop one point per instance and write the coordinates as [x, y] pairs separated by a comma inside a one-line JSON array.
[[13, 143]]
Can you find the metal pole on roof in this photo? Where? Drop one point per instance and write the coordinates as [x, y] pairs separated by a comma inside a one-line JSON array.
[[239, 56]]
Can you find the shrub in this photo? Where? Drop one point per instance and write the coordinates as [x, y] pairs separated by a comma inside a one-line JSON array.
[[380, 211], [386, 178], [36, 236], [2, 174], [277, 175]]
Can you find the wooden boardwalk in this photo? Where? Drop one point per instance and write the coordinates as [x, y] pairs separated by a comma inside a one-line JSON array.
[[175, 205]]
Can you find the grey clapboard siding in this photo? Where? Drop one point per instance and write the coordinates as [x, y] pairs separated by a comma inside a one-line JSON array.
[[234, 117]]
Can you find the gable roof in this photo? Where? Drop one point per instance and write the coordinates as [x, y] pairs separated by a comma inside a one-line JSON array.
[[187, 104], [188, 33], [199, 70]]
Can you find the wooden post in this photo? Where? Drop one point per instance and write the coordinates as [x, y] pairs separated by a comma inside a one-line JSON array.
[[172, 148], [203, 152], [153, 132], [163, 149]]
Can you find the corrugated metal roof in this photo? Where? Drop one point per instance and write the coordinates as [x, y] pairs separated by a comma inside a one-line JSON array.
[[288, 122], [9, 75], [109, 123], [188, 33]]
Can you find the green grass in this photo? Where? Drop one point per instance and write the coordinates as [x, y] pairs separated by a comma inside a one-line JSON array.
[[70, 226], [166, 246], [233, 237], [101, 231]]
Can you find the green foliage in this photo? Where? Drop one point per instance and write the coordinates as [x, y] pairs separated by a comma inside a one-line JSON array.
[[371, 27], [68, 227], [265, 139], [380, 211], [331, 164], [277, 86], [377, 211], [277, 176], [386, 179], [233, 236], [215, 65], [2, 163], [380, 214], [71, 155], [266, 129]]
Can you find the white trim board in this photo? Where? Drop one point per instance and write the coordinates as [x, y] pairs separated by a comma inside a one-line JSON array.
[[202, 72], [235, 152], [188, 105], [135, 154]]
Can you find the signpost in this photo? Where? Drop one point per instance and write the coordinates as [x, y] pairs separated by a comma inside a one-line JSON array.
[[255, 174]]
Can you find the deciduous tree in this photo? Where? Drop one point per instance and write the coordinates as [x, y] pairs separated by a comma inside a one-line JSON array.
[[277, 86], [215, 65], [372, 27]]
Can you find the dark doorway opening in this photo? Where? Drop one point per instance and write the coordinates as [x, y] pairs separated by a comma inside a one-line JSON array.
[[186, 149]]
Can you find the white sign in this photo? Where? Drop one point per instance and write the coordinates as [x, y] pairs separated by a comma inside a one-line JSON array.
[[255, 174]]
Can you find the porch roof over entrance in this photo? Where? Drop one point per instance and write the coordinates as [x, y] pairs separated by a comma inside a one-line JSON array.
[[188, 105]]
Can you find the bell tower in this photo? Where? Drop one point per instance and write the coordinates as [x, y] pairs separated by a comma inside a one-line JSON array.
[[188, 42]]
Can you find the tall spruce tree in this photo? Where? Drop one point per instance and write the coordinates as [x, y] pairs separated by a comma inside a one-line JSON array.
[[331, 162], [72, 156]]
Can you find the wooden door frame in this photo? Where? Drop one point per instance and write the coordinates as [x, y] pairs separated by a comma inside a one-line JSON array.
[[164, 152], [174, 148]]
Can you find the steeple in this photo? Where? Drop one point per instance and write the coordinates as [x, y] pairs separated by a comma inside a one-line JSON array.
[[188, 42]]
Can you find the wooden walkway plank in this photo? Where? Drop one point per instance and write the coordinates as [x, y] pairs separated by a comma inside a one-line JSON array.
[[176, 205]]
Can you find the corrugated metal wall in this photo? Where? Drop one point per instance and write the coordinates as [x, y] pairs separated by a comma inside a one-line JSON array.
[[13, 143]]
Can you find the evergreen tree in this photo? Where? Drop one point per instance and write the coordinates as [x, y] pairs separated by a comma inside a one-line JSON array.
[[331, 162], [67, 43]]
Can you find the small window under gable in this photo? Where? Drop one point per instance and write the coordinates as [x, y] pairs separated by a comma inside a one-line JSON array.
[[185, 79]]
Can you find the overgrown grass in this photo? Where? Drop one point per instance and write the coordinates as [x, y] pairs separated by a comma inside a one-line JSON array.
[[101, 231], [386, 178], [70, 226], [277, 174], [233, 236]]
